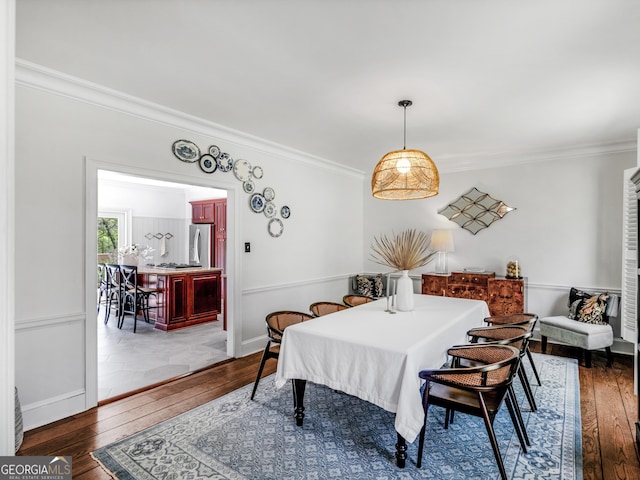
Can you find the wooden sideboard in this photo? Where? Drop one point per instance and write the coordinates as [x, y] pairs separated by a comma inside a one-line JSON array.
[[503, 295], [186, 296]]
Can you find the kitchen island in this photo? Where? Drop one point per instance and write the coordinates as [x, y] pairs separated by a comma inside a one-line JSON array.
[[186, 296]]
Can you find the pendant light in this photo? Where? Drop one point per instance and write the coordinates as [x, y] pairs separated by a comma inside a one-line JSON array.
[[405, 174]]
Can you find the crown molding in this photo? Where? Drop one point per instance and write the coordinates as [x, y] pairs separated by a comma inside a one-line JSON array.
[[51, 81], [482, 161], [35, 76]]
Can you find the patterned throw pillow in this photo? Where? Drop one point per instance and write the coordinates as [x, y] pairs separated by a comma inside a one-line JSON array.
[[363, 286], [587, 307], [378, 286]]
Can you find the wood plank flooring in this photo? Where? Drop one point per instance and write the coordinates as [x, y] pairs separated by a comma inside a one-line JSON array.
[[608, 411]]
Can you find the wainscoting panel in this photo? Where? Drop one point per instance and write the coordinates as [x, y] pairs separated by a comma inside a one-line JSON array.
[[258, 302], [39, 348]]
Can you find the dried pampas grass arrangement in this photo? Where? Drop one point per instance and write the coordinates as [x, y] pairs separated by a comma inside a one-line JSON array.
[[403, 251]]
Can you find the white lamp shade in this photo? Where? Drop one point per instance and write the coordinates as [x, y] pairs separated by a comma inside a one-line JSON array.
[[441, 241]]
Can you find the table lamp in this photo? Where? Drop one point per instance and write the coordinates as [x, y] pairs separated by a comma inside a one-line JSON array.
[[441, 242]]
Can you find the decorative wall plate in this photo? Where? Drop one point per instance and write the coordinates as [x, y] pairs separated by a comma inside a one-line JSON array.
[[275, 227], [225, 162], [257, 202], [208, 163], [257, 172], [285, 212], [214, 151], [242, 170], [248, 186], [186, 151], [270, 210], [269, 194]]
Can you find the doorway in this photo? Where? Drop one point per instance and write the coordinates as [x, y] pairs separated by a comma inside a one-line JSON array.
[[135, 210]]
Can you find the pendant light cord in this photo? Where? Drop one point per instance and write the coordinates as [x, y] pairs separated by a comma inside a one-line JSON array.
[[404, 138]]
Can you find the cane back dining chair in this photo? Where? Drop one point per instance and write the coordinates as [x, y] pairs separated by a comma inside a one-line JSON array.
[[528, 319], [276, 323], [355, 300], [470, 357], [515, 335], [324, 308], [477, 391]]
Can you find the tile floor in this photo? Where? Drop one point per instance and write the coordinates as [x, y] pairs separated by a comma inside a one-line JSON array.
[[128, 361]]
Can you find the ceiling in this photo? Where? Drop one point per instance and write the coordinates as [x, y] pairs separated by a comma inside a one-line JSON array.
[[490, 80]]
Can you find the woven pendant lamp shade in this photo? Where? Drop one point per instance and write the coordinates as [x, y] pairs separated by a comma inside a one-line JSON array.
[[405, 174]]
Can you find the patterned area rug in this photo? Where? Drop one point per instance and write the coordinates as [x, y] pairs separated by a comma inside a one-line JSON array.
[[345, 437]]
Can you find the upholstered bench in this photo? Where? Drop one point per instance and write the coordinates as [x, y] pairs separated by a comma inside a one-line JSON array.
[[586, 336], [586, 326]]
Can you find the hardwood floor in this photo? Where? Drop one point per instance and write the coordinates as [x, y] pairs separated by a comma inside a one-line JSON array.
[[608, 410]]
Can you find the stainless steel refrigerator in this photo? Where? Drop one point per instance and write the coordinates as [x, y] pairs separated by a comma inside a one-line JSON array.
[[201, 245]]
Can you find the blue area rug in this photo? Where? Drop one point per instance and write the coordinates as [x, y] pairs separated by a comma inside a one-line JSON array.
[[344, 437]]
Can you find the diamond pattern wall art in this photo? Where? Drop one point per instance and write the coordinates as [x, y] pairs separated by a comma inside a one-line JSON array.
[[475, 210]]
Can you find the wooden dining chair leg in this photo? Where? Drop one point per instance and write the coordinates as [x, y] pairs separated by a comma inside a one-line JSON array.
[[516, 407], [448, 418], [516, 423], [526, 386], [488, 423], [265, 355], [533, 366]]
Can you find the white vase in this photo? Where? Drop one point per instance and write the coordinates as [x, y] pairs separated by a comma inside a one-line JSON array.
[[129, 259], [404, 292]]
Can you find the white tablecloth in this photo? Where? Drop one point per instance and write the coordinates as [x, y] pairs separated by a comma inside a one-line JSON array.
[[376, 356]]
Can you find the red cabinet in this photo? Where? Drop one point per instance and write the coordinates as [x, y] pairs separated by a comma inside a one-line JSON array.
[[220, 234], [184, 299], [202, 211]]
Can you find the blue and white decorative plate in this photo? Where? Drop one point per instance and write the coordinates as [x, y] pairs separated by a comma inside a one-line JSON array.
[[257, 172], [214, 151], [208, 163], [285, 212], [186, 151], [242, 170], [270, 210], [225, 162], [269, 194], [257, 202], [275, 227], [248, 186]]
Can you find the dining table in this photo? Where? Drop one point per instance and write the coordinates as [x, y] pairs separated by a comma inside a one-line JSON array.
[[374, 352]]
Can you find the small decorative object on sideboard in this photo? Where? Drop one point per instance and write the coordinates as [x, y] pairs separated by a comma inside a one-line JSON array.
[[513, 268]]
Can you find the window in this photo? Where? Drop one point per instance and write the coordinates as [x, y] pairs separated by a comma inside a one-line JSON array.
[[112, 234]]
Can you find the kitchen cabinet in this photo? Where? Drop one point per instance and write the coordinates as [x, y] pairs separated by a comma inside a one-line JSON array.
[[503, 295], [185, 296], [203, 211], [220, 233]]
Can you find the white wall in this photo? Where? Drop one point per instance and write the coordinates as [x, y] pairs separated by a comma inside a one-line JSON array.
[[62, 141], [566, 231]]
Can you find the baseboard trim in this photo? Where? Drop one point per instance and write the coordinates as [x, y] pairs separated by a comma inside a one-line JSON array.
[[42, 413]]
